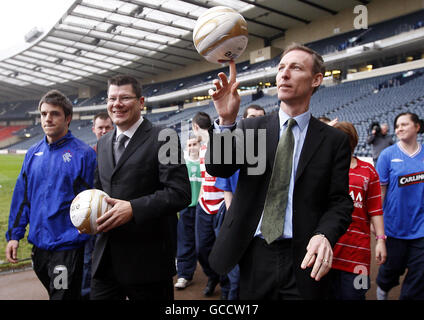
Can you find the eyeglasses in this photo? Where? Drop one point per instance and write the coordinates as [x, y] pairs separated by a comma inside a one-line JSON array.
[[122, 99]]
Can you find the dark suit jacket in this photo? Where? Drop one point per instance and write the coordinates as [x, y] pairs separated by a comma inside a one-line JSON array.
[[142, 250], [321, 203]]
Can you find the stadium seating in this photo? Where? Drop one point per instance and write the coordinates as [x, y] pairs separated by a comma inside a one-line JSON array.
[[365, 101], [16, 109], [360, 102], [374, 32], [7, 132]]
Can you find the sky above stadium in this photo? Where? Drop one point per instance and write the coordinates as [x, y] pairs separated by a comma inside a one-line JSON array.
[[18, 17]]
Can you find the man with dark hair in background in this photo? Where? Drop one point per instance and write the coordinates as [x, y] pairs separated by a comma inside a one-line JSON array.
[[134, 255], [253, 111], [102, 124], [54, 171], [379, 139]]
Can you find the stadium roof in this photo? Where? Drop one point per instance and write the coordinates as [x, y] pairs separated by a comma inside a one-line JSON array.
[[95, 39]]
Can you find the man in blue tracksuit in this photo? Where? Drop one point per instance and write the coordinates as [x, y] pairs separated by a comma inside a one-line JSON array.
[[54, 171]]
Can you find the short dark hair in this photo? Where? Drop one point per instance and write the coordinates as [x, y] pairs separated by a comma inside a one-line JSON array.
[[121, 80], [253, 106], [203, 120], [57, 98], [414, 118], [101, 115]]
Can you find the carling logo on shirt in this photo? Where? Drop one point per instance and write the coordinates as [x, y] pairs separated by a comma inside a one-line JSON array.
[[412, 178], [67, 156]]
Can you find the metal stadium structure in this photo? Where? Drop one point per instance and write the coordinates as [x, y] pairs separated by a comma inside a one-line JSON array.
[[95, 39]]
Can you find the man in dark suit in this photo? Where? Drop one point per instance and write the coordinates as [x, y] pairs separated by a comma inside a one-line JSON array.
[[317, 208], [134, 255]]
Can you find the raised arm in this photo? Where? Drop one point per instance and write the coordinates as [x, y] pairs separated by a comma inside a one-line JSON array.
[[225, 96]]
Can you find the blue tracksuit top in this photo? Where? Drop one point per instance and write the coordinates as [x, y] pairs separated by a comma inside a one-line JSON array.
[[50, 178]]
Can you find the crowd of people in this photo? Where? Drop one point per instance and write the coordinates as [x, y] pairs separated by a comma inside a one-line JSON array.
[[299, 229]]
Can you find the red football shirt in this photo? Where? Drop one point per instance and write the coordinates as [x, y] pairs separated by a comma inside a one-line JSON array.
[[212, 197], [353, 248]]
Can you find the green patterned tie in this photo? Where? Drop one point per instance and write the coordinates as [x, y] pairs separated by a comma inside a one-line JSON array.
[[278, 190]]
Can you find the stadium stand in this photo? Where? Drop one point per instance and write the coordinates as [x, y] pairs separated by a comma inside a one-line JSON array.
[[361, 102], [7, 132], [16, 109], [374, 32], [376, 99]]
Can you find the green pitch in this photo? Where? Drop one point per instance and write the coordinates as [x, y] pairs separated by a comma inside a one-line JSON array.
[[10, 166]]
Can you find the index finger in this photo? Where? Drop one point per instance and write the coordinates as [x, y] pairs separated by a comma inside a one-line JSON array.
[[233, 71]]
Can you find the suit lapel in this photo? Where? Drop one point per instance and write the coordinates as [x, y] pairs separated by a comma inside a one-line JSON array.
[[313, 139], [137, 140], [273, 136]]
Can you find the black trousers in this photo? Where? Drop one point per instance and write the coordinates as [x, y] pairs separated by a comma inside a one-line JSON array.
[[105, 286], [403, 255], [266, 271], [60, 272]]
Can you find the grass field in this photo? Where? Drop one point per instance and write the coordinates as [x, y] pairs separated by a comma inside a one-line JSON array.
[[10, 166]]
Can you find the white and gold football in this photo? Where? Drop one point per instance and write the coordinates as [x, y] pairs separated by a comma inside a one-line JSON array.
[[220, 34], [86, 207]]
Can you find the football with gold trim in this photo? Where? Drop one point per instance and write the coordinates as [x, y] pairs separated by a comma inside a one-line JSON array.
[[220, 34], [86, 208]]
